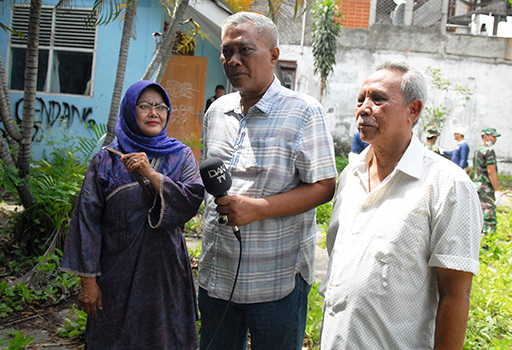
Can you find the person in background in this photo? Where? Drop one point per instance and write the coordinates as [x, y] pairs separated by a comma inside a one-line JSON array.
[[219, 91], [432, 134], [485, 177], [404, 236], [459, 155], [357, 146], [124, 238], [279, 152]]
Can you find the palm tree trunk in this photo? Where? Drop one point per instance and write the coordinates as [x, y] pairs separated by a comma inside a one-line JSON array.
[[5, 155], [29, 100], [161, 58], [322, 87], [121, 70], [5, 105], [24, 193]]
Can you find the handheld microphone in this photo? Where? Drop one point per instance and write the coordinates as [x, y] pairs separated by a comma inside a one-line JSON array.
[[215, 175], [217, 182]]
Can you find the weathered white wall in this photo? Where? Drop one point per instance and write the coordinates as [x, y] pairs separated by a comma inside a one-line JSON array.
[[489, 77]]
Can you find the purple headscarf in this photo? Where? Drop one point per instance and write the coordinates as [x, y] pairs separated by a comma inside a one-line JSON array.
[[129, 135]]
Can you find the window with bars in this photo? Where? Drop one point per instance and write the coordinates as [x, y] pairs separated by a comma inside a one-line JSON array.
[[67, 45], [288, 71]]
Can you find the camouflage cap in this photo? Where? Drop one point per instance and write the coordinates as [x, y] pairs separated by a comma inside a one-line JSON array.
[[490, 131], [432, 131]]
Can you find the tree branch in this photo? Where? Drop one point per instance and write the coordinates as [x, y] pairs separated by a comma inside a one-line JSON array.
[[121, 70]]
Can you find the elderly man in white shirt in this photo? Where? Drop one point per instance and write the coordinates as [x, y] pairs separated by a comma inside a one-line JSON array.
[[404, 237]]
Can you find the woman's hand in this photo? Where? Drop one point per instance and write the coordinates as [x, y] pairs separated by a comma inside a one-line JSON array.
[[89, 298], [139, 162]]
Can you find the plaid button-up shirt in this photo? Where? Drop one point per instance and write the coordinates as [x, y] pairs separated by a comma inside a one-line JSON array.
[[282, 141]]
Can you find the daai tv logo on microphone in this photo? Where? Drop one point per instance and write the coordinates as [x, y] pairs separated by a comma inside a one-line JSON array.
[[219, 173], [215, 175]]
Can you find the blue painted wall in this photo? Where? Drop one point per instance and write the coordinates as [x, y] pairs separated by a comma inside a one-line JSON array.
[[215, 72], [150, 18]]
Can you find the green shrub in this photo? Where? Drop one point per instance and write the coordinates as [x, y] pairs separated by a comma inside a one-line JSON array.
[[505, 181], [323, 217], [74, 326], [195, 253], [194, 226], [323, 213], [54, 181], [18, 342], [341, 163], [315, 315], [490, 314], [53, 285]]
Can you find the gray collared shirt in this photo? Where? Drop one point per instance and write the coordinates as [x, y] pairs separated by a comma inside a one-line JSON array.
[[282, 141]]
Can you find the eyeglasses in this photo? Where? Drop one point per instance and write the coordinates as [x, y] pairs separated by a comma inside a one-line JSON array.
[[146, 107]]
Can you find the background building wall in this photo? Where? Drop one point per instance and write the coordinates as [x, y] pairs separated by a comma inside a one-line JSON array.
[[481, 64], [356, 13]]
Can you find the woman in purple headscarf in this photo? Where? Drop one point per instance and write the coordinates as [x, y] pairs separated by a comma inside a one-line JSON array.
[[124, 238]]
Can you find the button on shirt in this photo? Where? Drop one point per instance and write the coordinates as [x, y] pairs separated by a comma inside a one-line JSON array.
[[384, 247], [282, 141]]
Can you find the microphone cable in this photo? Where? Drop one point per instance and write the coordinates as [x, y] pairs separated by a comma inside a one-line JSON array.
[[236, 231]]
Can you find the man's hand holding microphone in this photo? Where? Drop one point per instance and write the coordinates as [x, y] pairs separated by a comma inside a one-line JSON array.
[[238, 210]]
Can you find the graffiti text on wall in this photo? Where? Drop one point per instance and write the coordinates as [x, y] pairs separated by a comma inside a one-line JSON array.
[[53, 114]]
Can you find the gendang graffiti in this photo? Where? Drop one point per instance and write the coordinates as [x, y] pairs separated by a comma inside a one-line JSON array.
[[53, 114]]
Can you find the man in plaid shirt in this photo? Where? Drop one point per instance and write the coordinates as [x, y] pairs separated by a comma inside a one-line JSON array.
[[278, 150]]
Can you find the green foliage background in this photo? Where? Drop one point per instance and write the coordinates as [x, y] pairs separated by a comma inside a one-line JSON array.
[[325, 30], [490, 315]]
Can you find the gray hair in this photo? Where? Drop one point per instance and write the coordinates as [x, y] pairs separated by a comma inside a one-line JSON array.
[[414, 84], [263, 24]]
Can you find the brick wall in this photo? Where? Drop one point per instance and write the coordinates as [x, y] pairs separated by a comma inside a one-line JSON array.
[[356, 13]]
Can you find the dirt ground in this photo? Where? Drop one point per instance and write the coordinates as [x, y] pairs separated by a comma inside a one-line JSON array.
[[42, 325]]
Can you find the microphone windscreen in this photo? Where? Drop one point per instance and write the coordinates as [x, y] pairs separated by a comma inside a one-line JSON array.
[[215, 175]]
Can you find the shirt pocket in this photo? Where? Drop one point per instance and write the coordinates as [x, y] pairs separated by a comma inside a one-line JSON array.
[[399, 240], [256, 154], [268, 163]]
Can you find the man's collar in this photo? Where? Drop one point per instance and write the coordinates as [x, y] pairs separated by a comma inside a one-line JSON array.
[[410, 162], [268, 98], [266, 101]]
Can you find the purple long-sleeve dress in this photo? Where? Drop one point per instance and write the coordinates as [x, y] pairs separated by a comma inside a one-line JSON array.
[[135, 249]]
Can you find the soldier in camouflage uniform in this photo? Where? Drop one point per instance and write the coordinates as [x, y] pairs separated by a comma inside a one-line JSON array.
[[432, 134], [485, 177]]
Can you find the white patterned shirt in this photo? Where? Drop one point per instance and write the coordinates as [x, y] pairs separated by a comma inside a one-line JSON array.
[[282, 141], [384, 246]]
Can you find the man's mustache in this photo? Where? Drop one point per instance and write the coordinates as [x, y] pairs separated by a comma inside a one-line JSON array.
[[366, 121]]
